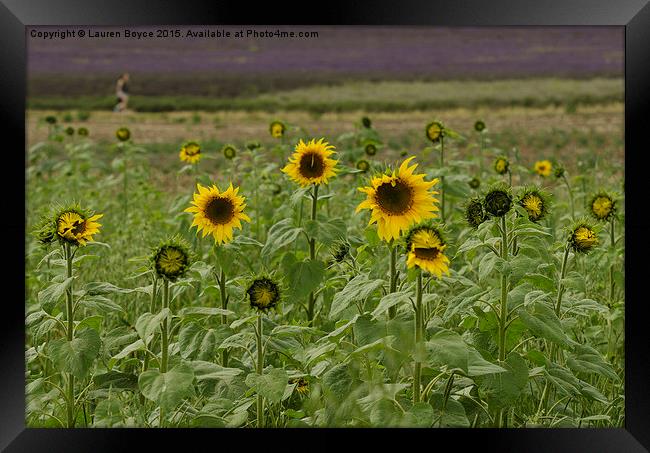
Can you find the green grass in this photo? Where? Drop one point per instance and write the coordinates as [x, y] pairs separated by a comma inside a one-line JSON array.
[[372, 97]]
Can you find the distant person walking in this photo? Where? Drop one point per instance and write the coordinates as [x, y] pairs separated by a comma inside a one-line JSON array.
[[122, 92]]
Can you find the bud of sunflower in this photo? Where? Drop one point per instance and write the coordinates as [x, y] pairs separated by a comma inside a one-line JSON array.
[[498, 201], [45, 231], [602, 206], [69, 130], [82, 132], [363, 165], [365, 122], [404, 153], [583, 237], [123, 134], [501, 165], [229, 152], [479, 126], [171, 258], [474, 213], [253, 145], [370, 149], [535, 202], [474, 183], [559, 171], [340, 250], [50, 119], [264, 293], [435, 131], [277, 128]]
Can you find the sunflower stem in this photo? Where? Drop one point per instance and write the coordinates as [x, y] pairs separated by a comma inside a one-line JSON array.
[[224, 317], [568, 188], [503, 316], [260, 371], [70, 335], [612, 239], [560, 284], [417, 369], [164, 352], [152, 308], [312, 253], [392, 311]]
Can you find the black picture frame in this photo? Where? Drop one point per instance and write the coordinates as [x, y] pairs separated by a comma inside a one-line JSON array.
[[633, 15]]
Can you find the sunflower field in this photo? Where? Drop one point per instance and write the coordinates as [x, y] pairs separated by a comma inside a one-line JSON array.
[[301, 280]]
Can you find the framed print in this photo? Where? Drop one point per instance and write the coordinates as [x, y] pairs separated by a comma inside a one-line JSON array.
[[403, 217]]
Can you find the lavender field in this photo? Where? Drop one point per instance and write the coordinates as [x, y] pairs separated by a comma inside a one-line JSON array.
[[233, 67]]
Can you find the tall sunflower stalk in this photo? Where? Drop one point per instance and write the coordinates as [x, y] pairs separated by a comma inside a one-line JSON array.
[[425, 251], [73, 227], [395, 199], [310, 164], [264, 294], [218, 213]]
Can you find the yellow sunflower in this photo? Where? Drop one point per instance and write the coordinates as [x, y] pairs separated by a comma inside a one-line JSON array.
[[603, 206], [277, 129], [75, 228], [171, 259], [501, 165], [543, 167], [583, 238], [217, 213], [399, 200], [435, 130], [311, 163], [425, 248], [264, 293], [190, 152]]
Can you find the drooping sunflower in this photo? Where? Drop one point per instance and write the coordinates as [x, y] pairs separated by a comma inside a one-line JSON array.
[[190, 152], [277, 128], [340, 250], [76, 226], [311, 163], [229, 152], [82, 132], [535, 202], [253, 145], [69, 130], [559, 171], [365, 122], [434, 131], [498, 200], [501, 165], [363, 165], [479, 126], [543, 168], [218, 213], [171, 258], [399, 200], [583, 237], [425, 249], [264, 293], [474, 183], [474, 212], [123, 134], [602, 206]]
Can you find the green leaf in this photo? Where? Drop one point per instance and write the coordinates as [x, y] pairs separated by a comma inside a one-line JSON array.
[[208, 371], [337, 381], [116, 380], [447, 348], [503, 389], [75, 356], [587, 360], [102, 288], [420, 415], [100, 303], [170, 388], [49, 297], [148, 323], [135, 346], [108, 414], [304, 277], [450, 414], [325, 230], [270, 385], [541, 281], [357, 289], [543, 322], [202, 312], [337, 333], [391, 300], [280, 234], [196, 342], [478, 366]]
